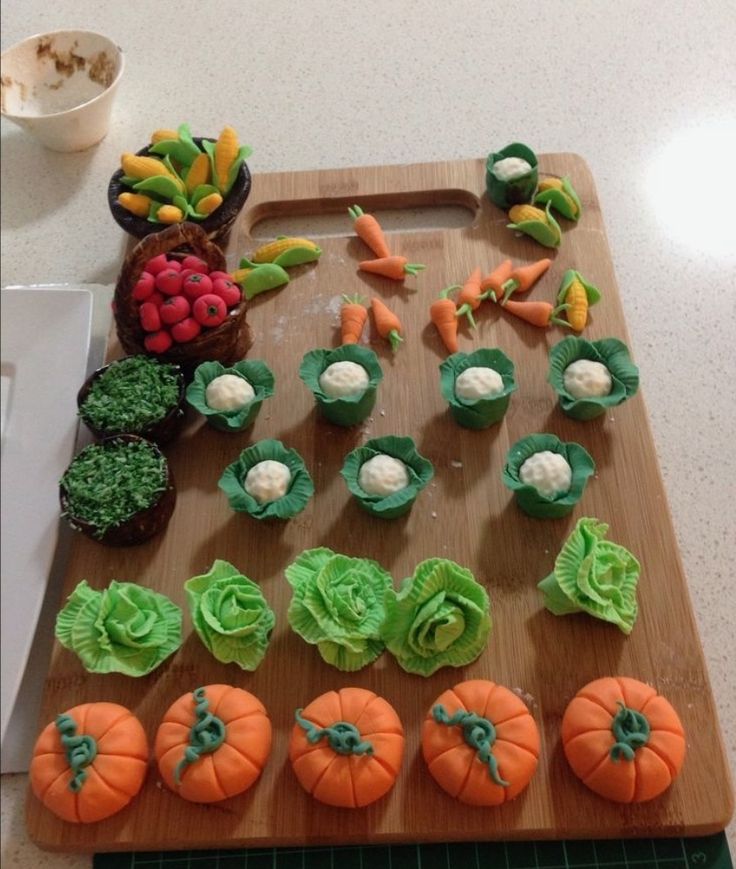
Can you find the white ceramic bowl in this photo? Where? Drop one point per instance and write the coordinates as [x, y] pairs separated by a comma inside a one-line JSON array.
[[60, 87]]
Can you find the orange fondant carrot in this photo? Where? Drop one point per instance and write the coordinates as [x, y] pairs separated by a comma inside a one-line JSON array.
[[523, 278], [353, 315], [537, 313], [369, 230], [470, 297], [387, 323], [492, 284], [394, 267], [443, 314]]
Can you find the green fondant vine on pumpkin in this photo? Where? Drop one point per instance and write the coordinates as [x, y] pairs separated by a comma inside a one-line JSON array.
[[479, 733], [343, 737], [206, 736], [631, 729], [80, 750]]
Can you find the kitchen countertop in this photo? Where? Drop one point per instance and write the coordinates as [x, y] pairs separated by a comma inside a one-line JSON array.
[[645, 93]]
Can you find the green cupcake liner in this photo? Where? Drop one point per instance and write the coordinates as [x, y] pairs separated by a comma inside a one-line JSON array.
[[527, 497], [257, 373], [520, 190], [352, 409], [483, 412], [612, 353], [420, 472], [301, 488]]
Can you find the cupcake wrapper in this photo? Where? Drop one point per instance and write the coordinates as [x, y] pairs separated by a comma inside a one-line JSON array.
[[257, 373], [520, 190], [483, 412]]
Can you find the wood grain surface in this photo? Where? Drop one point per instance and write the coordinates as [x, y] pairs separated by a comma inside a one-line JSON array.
[[466, 515]]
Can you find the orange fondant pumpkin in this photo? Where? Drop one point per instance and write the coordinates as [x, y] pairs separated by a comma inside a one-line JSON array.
[[481, 743], [90, 762], [346, 747], [623, 739], [213, 743]]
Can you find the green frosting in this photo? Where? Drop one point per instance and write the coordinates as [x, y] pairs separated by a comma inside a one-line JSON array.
[[546, 233], [124, 628], [419, 469], [528, 498], [612, 353], [565, 200], [257, 373], [80, 751], [478, 732], [338, 604], [261, 278], [207, 734], [439, 618], [520, 190], [354, 408], [301, 487], [342, 736], [483, 412], [230, 615], [595, 576]]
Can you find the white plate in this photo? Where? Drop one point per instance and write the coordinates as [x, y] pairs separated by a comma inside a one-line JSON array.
[[45, 344]]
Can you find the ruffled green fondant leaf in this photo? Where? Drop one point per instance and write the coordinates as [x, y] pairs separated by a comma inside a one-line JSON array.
[[256, 372], [528, 498], [483, 412], [419, 469], [124, 628], [610, 352], [351, 409], [565, 200], [301, 487], [593, 575], [338, 604], [520, 190], [230, 615], [547, 234], [440, 617]]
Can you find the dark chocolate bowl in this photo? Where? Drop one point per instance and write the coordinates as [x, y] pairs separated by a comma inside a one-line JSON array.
[[217, 225]]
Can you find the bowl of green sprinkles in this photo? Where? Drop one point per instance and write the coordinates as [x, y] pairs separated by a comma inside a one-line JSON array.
[[119, 491], [134, 395]]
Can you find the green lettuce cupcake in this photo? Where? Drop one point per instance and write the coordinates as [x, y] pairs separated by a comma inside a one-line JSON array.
[[595, 576], [230, 398], [511, 175], [439, 618], [338, 604], [267, 481], [591, 376], [386, 474], [546, 475], [477, 386], [343, 382]]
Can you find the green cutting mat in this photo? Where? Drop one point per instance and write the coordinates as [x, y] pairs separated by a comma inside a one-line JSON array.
[[710, 852]]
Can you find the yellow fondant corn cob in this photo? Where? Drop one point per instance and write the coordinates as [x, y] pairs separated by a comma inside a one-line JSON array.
[[199, 173], [208, 204], [267, 253], [226, 150], [170, 214], [520, 213], [577, 299], [240, 275], [163, 135], [549, 184], [143, 167], [136, 203]]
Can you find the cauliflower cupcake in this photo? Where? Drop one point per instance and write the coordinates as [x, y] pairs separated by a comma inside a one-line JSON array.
[[477, 386], [343, 382], [230, 398]]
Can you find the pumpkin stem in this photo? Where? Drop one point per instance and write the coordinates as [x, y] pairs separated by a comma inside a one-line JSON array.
[[206, 736], [631, 729], [80, 750], [479, 733], [343, 737]]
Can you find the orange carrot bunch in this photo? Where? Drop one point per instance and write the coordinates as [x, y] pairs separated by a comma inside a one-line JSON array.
[[369, 230]]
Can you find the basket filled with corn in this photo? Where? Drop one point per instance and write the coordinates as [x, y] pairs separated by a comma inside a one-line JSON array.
[[177, 178]]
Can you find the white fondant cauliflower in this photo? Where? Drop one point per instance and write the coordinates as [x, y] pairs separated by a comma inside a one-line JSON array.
[[548, 472], [383, 475], [511, 168], [267, 481], [585, 378], [228, 392], [478, 382], [342, 379]]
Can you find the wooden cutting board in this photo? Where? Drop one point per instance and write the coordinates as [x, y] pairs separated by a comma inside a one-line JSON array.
[[466, 515]]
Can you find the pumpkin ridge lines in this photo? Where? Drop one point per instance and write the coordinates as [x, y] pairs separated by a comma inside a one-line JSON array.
[[323, 773], [595, 770], [384, 763], [605, 756], [242, 754], [107, 784], [42, 796], [517, 747], [352, 780], [497, 722], [589, 730], [215, 776], [111, 754], [473, 759], [594, 699], [126, 714], [665, 760], [364, 709], [373, 733], [163, 758], [251, 714]]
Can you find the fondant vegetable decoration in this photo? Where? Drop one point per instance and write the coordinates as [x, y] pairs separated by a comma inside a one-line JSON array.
[[369, 230], [136, 203], [353, 315], [511, 175], [255, 278], [90, 762], [595, 576], [492, 284], [560, 193], [213, 743], [346, 747], [470, 297], [225, 152], [198, 174], [443, 313], [523, 278], [578, 295], [387, 323], [538, 224], [162, 135], [288, 251], [536, 313], [623, 740], [480, 743], [394, 267]]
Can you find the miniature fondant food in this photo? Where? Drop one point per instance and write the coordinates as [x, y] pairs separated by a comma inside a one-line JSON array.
[[586, 378], [213, 743], [124, 628], [353, 314], [346, 747], [540, 314], [394, 267], [538, 224], [443, 313], [256, 278], [387, 323], [561, 195], [228, 392], [548, 472], [439, 618], [492, 285], [90, 762], [595, 576], [383, 475], [338, 603], [478, 382], [288, 251], [578, 295], [477, 386], [623, 740], [341, 379], [267, 481], [480, 743], [230, 615], [369, 230], [230, 398], [354, 406], [511, 168], [506, 191], [470, 297], [523, 278]]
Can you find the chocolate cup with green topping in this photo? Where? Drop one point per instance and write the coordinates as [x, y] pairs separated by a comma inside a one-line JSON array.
[[161, 430], [520, 190], [257, 373], [612, 353], [477, 413], [141, 525], [529, 499], [420, 472], [351, 409]]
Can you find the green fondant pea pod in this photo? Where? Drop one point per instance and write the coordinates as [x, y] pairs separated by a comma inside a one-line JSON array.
[[255, 278]]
